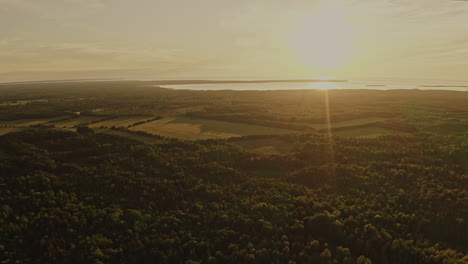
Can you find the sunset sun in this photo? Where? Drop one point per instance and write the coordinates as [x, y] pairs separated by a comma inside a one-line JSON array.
[[323, 41]]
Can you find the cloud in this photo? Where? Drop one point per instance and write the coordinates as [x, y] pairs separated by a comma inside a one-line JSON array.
[[175, 37], [17, 76], [34, 4], [51, 9], [20, 5], [87, 56]]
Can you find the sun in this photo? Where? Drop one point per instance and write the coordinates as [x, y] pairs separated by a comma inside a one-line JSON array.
[[324, 40]]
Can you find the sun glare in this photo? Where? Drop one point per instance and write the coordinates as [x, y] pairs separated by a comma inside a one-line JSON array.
[[323, 86], [323, 40], [323, 78]]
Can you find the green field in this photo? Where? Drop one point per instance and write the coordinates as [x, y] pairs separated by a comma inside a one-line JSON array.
[[6, 130], [365, 132], [224, 114], [73, 122], [265, 145], [193, 128], [29, 122], [21, 102], [132, 136], [123, 121], [351, 122]]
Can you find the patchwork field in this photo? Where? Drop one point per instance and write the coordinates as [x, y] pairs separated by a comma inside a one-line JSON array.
[[188, 128], [198, 128]]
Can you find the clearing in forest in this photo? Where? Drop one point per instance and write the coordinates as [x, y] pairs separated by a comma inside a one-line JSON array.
[[271, 145], [195, 128]]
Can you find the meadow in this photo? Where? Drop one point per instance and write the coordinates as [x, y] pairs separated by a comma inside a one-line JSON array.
[[197, 115], [195, 128]]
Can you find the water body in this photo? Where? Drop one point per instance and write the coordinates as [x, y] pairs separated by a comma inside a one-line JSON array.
[[356, 84]]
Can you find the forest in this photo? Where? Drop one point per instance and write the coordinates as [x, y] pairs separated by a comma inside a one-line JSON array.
[[365, 177]]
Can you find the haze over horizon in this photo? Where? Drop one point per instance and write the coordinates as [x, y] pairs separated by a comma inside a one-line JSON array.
[[208, 39]]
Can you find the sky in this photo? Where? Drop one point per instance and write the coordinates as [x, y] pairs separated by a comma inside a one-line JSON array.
[[225, 39]]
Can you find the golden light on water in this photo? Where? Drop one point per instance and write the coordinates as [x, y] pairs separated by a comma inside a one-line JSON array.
[[323, 85]]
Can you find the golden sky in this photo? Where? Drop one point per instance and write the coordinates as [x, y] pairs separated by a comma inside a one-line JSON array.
[[226, 39]]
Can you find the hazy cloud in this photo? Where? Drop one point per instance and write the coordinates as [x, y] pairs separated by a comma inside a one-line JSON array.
[[224, 37]]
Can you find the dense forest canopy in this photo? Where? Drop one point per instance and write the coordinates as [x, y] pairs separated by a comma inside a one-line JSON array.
[[104, 192]]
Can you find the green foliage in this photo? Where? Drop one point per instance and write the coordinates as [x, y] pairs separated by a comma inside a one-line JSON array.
[[84, 130], [81, 198]]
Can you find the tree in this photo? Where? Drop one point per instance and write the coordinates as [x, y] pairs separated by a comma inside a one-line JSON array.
[[363, 260], [84, 130]]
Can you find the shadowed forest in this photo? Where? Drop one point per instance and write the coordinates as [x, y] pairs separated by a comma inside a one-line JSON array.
[[132, 172]]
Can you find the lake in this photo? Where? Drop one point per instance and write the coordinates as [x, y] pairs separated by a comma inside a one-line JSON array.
[[352, 84]]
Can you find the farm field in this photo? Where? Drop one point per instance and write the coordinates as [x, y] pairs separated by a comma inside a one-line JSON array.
[[6, 130], [188, 128], [271, 145], [73, 122], [123, 121], [29, 122], [21, 102], [351, 122], [366, 132], [132, 136]]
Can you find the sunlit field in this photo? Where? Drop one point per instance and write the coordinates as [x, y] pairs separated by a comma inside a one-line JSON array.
[[193, 128], [123, 121]]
